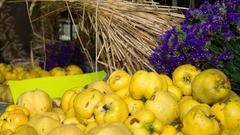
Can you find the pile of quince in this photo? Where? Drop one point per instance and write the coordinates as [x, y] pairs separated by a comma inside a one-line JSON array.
[[192, 102], [8, 72]]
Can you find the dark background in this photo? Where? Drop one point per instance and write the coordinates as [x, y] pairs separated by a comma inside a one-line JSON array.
[[21, 22], [15, 32]]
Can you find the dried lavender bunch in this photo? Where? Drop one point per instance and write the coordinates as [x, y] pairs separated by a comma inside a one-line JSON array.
[[209, 37], [62, 54]]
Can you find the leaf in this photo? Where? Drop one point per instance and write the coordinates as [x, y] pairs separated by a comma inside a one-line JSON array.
[[236, 77], [149, 127], [215, 49], [235, 86]]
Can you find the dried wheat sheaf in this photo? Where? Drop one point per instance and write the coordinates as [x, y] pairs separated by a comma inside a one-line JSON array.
[[125, 33]]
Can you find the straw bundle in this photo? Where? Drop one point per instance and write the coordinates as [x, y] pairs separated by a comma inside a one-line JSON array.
[[125, 32]]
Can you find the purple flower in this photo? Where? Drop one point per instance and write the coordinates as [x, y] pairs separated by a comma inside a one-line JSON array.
[[225, 55], [63, 54], [229, 35], [233, 18], [205, 7], [193, 42]]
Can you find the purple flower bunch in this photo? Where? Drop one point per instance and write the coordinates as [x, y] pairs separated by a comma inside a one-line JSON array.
[[62, 54], [203, 39]]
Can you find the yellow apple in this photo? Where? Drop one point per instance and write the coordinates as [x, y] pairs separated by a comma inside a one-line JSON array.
[[144, 84], [175, 92], [200, 120], [36, 101], [183, 77], [110, 129], [167, 78], [73, 70], [57, 71], [144, 121], [66, 130], [119, 80], [25, 130], [211, 86], [101, 86], [164, 106], [86, 101], [228, 113], [67, 99], [134, 105], [111, 109]]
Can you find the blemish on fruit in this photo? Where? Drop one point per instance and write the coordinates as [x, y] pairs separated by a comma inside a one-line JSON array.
[[4, 119], [116, 79], [153, 97], [144, 99], [134, 120], [87, 104], [187, 79], [85, 87], [105, 107]]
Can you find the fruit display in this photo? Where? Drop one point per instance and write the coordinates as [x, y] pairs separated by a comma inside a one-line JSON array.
[[8, 72], [191, 102]]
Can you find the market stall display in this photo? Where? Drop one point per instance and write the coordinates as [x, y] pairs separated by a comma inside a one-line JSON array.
[[148, 106], [183, 82]]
